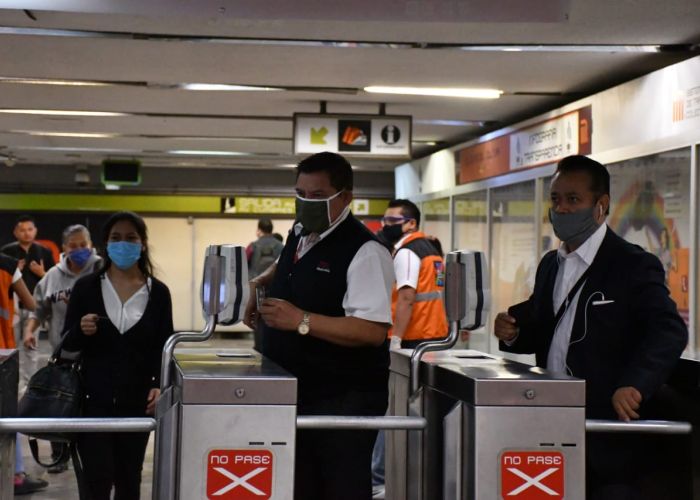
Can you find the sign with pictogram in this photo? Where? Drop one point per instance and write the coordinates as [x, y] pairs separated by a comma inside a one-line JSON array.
[[353, 135], [239, 474], [532, 475]]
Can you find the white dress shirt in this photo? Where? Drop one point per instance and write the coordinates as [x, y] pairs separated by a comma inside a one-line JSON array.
[[124, 315], [572, 265], [370, 275], [406, 266]]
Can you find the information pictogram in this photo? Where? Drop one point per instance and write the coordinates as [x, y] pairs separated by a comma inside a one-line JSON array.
[[239, 474], [532, 475]]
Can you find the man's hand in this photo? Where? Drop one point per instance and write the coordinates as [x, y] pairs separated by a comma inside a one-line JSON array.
[[626, 401], [280, 314], [250, 316], [20, 264], [29, 341], [37, 268], [504, 327], [394, 343], [152, 400]]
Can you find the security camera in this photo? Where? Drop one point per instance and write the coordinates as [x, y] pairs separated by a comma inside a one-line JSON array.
[[10, 161]]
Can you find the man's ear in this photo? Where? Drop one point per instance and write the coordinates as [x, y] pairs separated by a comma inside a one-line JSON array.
[[347, 197]]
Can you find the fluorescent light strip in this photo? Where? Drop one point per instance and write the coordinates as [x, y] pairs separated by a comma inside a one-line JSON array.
[[437, 92], [224, 87], [560, 48], [194, 152], [451, 123], [79, 150], [43, 81], [58, 112], [38, 133]]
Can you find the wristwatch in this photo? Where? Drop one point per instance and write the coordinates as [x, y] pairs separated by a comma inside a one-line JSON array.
[[303, 328]]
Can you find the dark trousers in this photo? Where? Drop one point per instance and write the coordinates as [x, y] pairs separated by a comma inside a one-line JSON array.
[[112, 460], [333, 464]]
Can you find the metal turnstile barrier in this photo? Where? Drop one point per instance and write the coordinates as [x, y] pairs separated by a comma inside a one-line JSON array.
[[9, 378], [490, 423]]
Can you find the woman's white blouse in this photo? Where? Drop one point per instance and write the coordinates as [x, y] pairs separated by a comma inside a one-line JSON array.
[[127, 314]]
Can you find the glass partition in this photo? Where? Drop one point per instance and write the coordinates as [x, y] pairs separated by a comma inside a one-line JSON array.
[[470, 222], [651, 208], [513, 255], [436, 221]]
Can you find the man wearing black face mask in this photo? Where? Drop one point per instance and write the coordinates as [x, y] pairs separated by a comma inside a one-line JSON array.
[[599, 311], [326, 321]]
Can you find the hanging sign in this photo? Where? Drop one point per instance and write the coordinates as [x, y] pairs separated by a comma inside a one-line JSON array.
[[353, 135]]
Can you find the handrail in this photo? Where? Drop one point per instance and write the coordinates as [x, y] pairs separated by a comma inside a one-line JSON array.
[[175, 339], [441, 345], [364, 423], [639, 426], [75, 425]]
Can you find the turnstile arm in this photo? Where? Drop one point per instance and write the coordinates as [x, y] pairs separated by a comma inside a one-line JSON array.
[[639, 426], [360, 423]]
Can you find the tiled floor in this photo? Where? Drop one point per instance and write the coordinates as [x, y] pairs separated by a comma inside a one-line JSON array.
[[63, 486]]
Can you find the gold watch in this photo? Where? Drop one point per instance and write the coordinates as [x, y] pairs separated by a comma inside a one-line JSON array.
[[303, 327]]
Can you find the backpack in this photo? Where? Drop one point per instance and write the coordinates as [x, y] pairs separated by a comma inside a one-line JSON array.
[[265, 252]]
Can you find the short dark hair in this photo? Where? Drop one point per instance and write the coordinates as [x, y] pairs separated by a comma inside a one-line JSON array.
[[24, 218], [265, 225], [144, 263], [337, 167], [600, 178], [408, 209]]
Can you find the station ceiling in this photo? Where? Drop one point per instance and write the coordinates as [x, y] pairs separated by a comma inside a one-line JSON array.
[[133, 60]]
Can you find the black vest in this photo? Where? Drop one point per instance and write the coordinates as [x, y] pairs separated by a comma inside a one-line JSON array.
[[317, 283]]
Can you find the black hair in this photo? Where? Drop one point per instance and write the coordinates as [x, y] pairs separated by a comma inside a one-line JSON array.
[[144, 263], [24, 218], [600, 178], [265, 225], [278, 237], [408, 209], [337, 167]]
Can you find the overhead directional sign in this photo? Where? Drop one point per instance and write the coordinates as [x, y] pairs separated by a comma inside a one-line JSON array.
[[353, 135]]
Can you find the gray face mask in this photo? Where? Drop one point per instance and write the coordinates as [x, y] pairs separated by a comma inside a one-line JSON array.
[[574, 228]]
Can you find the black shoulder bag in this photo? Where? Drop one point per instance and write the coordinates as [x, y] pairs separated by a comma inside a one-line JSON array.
[[55, 391]]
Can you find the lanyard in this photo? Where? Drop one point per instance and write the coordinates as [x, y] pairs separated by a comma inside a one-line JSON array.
[[572, 293]]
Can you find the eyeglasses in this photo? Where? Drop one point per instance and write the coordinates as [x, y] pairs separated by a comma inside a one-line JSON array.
[[389, 220]]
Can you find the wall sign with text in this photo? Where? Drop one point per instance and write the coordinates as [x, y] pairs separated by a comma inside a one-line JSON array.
[[353, 135]]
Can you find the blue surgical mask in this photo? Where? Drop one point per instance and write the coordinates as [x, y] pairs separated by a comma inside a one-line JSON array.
[[124, 254], [80, 256]]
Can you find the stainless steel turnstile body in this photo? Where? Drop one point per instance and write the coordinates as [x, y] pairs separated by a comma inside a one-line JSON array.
[[496, 429], [229, 429]]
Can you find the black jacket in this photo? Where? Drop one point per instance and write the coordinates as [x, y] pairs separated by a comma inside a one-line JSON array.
[[118, 369], [635, 340]]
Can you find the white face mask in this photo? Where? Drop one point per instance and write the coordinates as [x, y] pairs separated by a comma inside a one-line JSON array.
[[315, 215]]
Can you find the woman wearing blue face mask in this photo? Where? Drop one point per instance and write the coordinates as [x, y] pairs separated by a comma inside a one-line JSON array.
[[119, 318]]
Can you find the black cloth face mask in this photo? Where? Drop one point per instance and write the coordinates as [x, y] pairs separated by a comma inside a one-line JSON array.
[[314, 215], [392, 233]]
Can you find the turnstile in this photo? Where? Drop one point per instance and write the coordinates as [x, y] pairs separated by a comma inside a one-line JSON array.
[[229, 431], [496, 429]]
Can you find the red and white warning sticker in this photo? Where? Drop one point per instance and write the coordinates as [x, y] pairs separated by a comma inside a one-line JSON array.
[[532, 475], [239, 474]]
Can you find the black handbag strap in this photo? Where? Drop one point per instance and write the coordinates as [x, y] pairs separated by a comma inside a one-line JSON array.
[[34, 447]]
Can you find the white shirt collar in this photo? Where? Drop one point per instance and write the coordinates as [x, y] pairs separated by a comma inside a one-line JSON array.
[[343, 215], [588, 250]]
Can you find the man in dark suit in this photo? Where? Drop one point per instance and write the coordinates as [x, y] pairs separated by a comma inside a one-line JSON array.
[[599, 311]]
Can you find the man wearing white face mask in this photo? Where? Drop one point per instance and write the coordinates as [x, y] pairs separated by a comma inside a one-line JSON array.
[[599, 311], [326, 321]]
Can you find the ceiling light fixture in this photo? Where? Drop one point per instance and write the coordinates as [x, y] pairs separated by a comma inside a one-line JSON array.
[[437, 92], [38, 133], [451, 123], [43, 81], [60, 112], [196, 152], [225, 87]]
